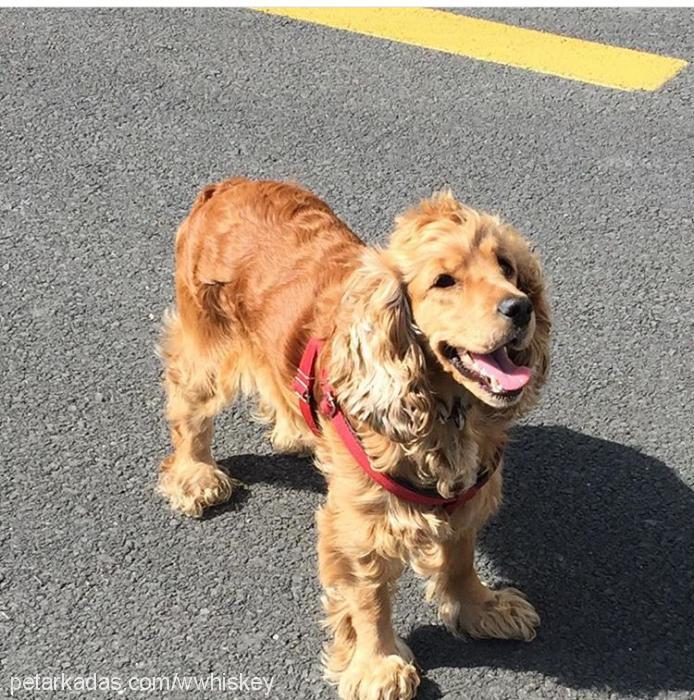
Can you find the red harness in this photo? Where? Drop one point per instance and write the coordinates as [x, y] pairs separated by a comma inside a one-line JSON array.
[[304, 384]]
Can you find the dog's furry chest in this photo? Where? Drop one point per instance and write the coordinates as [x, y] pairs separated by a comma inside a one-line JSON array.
[[448, 459], [449, 462]]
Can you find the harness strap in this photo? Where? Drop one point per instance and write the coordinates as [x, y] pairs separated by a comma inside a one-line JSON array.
[[304, 383]]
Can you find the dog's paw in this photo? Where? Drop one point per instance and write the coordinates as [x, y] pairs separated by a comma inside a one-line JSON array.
[[190, 487], [379, 678], [502, 614]]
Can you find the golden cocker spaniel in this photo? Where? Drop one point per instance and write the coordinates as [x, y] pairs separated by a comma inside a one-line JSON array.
[[433, 348]]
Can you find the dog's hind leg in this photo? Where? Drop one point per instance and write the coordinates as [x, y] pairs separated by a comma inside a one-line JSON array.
[[288, 432], [189, 478], [286, 437]]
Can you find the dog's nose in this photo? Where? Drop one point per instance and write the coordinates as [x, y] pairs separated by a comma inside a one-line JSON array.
[[518, 309]]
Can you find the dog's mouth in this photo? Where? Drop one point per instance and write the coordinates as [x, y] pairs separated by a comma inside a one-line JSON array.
[[495, 372]]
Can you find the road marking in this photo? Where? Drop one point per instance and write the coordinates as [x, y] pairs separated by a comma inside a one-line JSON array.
[[567, 57]]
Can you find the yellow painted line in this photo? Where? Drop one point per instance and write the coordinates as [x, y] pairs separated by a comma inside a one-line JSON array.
[[567, 57]]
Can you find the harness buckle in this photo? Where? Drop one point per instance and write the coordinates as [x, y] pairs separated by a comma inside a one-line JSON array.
[[328, 404], [300, 385]]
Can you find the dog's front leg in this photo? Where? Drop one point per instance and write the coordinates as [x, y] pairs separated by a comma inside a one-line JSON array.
[[365, 658], [465, 604]]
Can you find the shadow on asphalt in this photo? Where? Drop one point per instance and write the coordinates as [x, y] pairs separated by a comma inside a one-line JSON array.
[[600, 537], [287, 471]]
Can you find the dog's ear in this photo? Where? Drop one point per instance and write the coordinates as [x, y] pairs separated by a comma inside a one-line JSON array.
[[377, 364]]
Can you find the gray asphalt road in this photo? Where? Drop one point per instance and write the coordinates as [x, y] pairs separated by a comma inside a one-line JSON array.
[[112, 120]]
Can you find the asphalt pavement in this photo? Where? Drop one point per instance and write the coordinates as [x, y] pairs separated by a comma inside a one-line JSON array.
[[111, 121]]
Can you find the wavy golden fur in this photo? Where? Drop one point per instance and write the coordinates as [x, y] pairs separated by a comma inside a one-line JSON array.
[[261, 267]]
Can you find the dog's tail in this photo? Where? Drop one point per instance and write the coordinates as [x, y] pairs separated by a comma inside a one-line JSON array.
[[201, 304], [209, 191]]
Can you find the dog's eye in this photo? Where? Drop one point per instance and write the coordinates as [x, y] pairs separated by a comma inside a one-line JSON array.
[[506, 267], [444, 281]]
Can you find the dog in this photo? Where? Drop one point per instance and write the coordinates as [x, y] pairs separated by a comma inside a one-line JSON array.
[[427, 350]]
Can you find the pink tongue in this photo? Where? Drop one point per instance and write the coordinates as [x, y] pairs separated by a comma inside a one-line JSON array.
[[499, 366]]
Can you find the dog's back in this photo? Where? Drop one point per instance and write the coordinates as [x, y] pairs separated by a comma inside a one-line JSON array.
[[254, 257]]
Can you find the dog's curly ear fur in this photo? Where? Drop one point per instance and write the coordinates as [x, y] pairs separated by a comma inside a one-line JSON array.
[[377, 364]]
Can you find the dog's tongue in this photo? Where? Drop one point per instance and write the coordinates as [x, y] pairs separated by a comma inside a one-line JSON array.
[[499, 366]]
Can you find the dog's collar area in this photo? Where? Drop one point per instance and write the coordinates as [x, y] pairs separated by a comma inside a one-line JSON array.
[[304, 384], [482, 478]]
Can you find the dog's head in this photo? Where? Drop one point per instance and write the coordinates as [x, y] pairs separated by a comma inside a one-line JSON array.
[[455, 287], [477, 295]]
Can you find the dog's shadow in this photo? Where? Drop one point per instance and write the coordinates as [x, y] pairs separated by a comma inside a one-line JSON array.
[[288, 471], [600, 537]]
